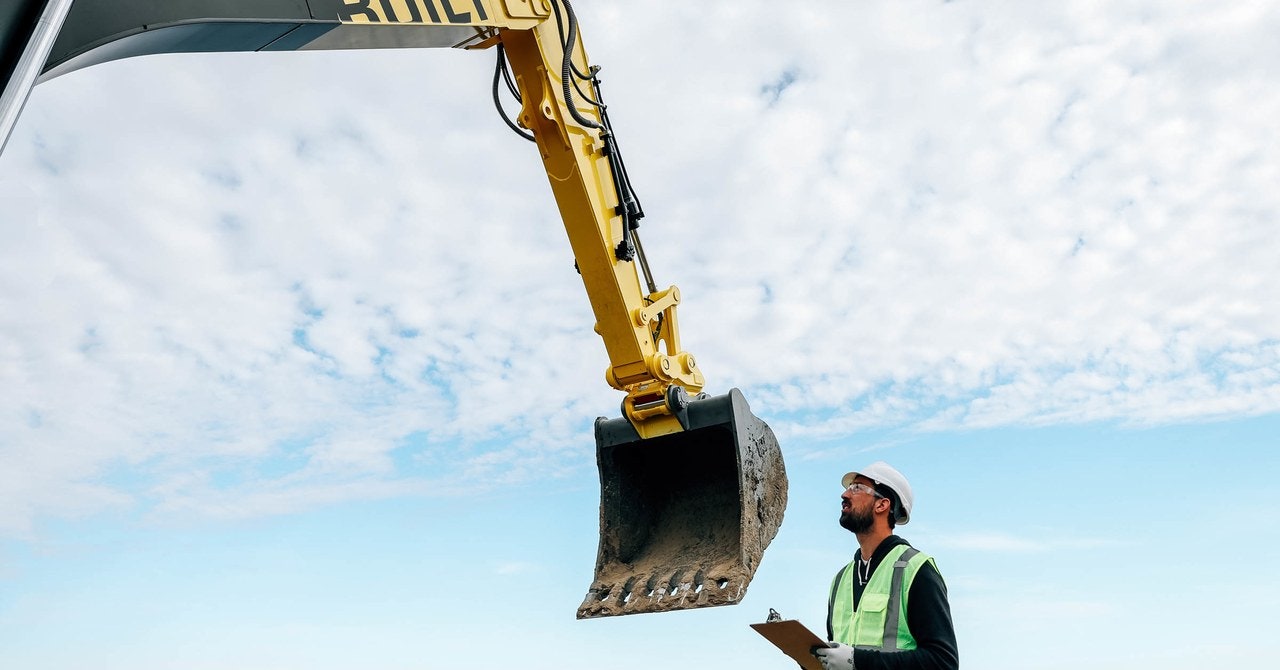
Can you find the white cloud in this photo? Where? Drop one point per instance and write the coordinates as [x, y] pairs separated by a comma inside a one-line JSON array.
[[273, 270]]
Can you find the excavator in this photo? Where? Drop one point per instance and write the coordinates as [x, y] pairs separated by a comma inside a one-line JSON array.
[[692, 487]]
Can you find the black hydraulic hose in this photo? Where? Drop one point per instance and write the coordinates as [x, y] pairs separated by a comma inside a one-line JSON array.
[[637, 209], [565, 76], [573, 23], [555, 6], [567, 46], [497, 101], [626, 250], [628, 206], [565, 42], [591, 101], [506, 75], [626, 197]]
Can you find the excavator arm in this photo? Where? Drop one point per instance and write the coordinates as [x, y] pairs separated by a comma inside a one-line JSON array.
[[693, 487], [639, 327]]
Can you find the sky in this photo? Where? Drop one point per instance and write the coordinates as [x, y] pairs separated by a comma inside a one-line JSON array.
[[296, 372]]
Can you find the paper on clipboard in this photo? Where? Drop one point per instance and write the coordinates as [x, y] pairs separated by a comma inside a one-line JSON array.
[[794, 640]]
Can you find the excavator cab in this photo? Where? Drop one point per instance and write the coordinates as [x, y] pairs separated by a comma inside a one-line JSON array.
[[685, 517]]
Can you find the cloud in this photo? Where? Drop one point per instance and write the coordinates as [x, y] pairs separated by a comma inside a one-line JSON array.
[[293, 279], [1022, 220]]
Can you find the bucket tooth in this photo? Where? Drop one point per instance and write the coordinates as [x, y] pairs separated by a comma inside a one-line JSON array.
[[685, 518]]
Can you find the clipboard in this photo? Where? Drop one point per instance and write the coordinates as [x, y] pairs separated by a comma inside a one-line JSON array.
[[794, 640]]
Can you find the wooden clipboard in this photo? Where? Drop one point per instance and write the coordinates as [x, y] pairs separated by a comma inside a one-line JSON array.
[[794, 640]]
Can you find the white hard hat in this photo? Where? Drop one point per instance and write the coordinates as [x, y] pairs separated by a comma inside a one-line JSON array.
[[883, 473]]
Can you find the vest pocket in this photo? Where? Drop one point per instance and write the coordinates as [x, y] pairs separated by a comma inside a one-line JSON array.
[[868, 622]]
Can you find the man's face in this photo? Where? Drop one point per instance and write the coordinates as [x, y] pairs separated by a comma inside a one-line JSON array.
[[857, 506]]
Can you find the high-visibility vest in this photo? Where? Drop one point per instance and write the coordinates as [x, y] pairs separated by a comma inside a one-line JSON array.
[[880, 621]]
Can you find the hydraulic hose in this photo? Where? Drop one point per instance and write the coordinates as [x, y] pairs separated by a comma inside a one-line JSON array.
[[565, 73], [499, 71]]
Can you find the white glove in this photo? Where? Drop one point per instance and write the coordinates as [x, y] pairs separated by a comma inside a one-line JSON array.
[[836, 656]]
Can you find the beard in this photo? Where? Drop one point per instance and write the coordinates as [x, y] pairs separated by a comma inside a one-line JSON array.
[[857, 522]]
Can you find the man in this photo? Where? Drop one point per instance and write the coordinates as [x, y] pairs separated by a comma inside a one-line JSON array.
[[888, 608]]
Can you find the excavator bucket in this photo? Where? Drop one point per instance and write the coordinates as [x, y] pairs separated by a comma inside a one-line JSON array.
[[685, 518]]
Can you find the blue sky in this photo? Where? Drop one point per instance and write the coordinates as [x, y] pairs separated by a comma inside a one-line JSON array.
[[298, 374], [1092, 529]]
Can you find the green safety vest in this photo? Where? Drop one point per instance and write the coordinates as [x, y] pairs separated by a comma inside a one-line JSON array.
[[880, 621]]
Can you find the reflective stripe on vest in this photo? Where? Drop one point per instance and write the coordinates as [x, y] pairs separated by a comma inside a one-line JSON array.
[[880, 619]]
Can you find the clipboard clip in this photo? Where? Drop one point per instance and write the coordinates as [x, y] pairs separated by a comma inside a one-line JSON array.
[[792, 638]]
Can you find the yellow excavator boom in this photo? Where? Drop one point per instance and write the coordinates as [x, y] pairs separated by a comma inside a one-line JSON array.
[[693, 487]]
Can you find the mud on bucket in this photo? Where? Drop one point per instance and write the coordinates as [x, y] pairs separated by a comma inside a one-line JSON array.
[[685, 518]]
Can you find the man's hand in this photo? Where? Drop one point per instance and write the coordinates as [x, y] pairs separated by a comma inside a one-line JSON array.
[[835, 656]]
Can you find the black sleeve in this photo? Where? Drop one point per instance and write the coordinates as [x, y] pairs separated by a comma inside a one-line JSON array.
[[929, 618]]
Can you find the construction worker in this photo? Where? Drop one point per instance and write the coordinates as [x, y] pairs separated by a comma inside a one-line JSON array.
[[888, 608]]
